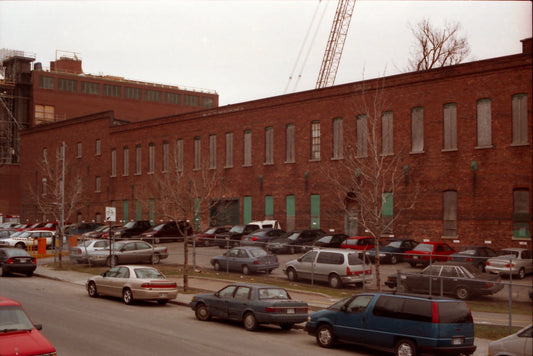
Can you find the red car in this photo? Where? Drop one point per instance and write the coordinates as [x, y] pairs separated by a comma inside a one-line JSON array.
[[207, 237], [359, 243], [19, 335], [421, 254]]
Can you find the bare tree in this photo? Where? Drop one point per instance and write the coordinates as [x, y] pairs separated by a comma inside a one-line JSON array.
[[434, 47], [61, 191], [183, 196], [369, 181]]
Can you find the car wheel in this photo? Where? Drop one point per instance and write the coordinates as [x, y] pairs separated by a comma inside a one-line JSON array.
[[155, 259], [202, 313], [3, 272], [91, 289], [245, 269], [217, 266], [20, 245], [127, 296], [480, 267], [413, 264], [206, 243], [521, 273], [29, 274], [335, 281], [286, 326], [324, 336], [249, 321], [112, 261], [291, 275], [462, 293], [393, 259], [162, 301], [405, 347]]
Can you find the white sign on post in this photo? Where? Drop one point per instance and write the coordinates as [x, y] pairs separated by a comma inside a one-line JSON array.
[[110, 213]]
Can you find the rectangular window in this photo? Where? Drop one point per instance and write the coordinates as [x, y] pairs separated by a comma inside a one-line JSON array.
[[417, 130], [138, 159], [97, 148], [450, 126], [78, 151], [521, 214], [151, 158], [247, 148], [269, 145], [197, 153], [97, 184], [387, 212], [290, 206], [290, 154], [519, 119], [44, 114], [67, 85], [125, 211], [484, 123], [112, 90], [450, 214], [126, 156], [387, 134], [165, 156], [191, 100], [90, 88], [207, 102], [152, 95], [179, 155], [132, 93], [113, 162], [173, 98], [246, 210], [229, 150], [315, 211], [212, 151], [269, 207], [362, 136], [46, 82], [315, 140], [338, 144]]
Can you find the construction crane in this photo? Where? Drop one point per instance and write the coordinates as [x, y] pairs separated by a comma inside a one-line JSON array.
[[335, 46]]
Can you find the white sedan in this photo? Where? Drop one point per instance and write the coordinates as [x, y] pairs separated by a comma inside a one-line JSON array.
[[133, 283], [81, 252], [28, 238]]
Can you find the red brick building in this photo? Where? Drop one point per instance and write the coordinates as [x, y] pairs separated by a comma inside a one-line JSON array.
[[461, 134]]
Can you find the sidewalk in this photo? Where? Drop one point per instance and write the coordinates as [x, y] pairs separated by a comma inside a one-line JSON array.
[[316, 301]]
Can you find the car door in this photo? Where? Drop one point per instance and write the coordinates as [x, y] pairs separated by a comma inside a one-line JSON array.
[[104, 284], [127, 253], [232, 260], [306, 265], [117, 281], [239, 302], [218, 306], [527, 257], [449, 280], [143, 252], [350, 322], [421, 281]]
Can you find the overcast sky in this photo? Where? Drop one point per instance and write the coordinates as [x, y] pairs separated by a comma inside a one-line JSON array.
[[247, 49]]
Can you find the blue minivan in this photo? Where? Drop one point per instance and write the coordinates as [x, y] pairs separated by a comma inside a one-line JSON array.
[[406, 324]]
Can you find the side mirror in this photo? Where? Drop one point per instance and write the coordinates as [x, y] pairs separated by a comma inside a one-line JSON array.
[[217, 295], [38, 326], [299, 259]]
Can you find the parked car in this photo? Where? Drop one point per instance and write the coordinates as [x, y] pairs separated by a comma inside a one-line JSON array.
[[101, 232], [19, 335], [516, 261], [233, 236], [359, 243], [331, 241], [518, 344], [130, 251], [393, 251], [167, 231], [476, 255], [7, 232], [425, 252], [400, 323], [81, 252], [261, 237], [133, 283], [252, 304], [131, 229], [28, 238], [459, 279], [266, 224], [295, 241], [81, 228], [337, 267], [16, 260], [246, 259], [206, 238]]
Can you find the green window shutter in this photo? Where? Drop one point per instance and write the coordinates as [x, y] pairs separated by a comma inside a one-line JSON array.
[[315, 211], [197, 219], [138, 210], [387, 204], [247, 210], [151, 211], [125, 213], [269, 205], [290, 205]]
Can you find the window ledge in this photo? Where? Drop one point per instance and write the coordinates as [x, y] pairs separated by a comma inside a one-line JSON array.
[[289, 162], [521, 238], [137, 174], [449, 150], [337, 158], [246, 165], [314, 160], [150, 173], [519, 144], [455, 237], [268, 164], [416, 152], [230, 166], [483, 147], [386, 154]]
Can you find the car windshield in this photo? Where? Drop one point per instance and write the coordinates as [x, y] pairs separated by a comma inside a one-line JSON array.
[[395, 244], [237, 228], [17, 252], [424, 247], [211, 230], [508, 253], [158, 227], [293, 236], [325, 239], [273, 293], [258, 252], [466, 251], [148, 273], [118, 245], [129, 224], [13, 318]]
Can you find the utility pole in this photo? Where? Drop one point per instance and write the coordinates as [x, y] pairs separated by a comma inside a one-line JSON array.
[[62, 220]]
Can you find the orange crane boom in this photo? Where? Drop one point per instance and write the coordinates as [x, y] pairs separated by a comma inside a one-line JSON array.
[[335, 46]]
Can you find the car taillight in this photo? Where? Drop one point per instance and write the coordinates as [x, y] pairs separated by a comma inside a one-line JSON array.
[[33, 260], [254, 238], [356, 273], [434, 312], [489, 284], [509, 265], [469, 259], [9, 260], [488, 263], [256, 262], [159, 285]]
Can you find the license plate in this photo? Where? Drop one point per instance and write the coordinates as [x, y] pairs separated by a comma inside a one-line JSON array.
[[162, 295], [457, 340], [290, 311], [415, 257]]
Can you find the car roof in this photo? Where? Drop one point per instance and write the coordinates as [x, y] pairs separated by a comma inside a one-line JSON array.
[[513, 249], [413, 295], [359, 237], [8, 302], [254, 285], [341, 250]]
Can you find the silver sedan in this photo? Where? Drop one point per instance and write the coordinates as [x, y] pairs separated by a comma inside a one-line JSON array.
[[515, 261], [133, 283]]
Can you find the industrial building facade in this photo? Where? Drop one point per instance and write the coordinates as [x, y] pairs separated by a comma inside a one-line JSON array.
[[462, 135]]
